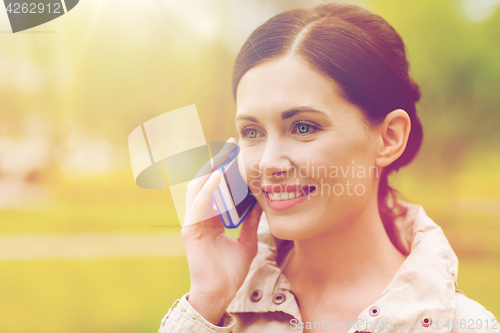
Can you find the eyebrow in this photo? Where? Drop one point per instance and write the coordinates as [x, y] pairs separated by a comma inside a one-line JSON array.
[[284, 115]]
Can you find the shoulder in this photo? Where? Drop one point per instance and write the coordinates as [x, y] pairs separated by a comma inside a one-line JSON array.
[[470, 316]]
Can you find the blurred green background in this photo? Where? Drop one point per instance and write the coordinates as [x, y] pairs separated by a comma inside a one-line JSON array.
[[83, 249]]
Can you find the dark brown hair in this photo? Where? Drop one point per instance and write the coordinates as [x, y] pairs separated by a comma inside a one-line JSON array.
[[363, 54]]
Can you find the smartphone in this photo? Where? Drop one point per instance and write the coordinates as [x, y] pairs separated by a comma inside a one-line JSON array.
[[233, 198]]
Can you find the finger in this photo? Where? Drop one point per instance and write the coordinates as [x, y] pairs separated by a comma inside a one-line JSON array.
[[248, 233], [202, 175], [223, 154], [203, 199]]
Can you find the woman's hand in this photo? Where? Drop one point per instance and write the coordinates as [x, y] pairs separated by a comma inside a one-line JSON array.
[[217, 263]]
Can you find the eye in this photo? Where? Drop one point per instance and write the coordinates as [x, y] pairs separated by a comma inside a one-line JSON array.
[[304, 128], [249, 133], [252, 133]]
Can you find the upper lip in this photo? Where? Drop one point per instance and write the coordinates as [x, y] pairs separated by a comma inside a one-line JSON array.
[[278, 188]]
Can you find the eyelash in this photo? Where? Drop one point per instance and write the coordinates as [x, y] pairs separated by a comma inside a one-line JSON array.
[[244, 131], [313, 127]]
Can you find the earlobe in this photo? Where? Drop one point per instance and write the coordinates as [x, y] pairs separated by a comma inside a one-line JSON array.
[[394, 132]]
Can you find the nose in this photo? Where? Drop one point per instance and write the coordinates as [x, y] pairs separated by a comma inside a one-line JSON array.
[[275, 162]]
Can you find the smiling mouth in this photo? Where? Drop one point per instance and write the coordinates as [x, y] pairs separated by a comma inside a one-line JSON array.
[[289, 195]]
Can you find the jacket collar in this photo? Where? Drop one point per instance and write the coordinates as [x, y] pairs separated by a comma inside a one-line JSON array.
[[423, 287]]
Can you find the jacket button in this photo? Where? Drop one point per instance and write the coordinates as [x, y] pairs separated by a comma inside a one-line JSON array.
[[426, 321], [279, 298], [256, 295], [374, 311]]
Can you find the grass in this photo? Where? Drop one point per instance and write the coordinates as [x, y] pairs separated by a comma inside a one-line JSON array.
[[100, 204], [132, 295], [82, 296]]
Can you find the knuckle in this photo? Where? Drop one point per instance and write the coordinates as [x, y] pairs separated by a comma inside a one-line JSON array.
[[185, 232], [189, 233], [196, 205], [192, 185]]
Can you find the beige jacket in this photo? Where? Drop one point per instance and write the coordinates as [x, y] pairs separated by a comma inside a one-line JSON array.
[[423, 294]]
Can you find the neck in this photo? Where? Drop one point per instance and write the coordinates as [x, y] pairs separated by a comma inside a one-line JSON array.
[[355, 253]]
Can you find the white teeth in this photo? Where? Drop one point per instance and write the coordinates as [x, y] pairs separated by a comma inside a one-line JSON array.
[[284, 195]]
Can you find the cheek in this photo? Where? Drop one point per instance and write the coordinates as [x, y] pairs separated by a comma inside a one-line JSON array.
[[341, 168], [248, 167]]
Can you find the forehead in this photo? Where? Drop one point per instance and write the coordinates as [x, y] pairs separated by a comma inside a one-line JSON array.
[[285, 83]]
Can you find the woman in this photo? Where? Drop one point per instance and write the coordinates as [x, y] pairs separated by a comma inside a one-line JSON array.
[[325, 111]]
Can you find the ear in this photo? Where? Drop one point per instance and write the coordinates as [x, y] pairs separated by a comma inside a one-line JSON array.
[[394, 132]]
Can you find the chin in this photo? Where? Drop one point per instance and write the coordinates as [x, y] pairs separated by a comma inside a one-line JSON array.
[[281, 227]]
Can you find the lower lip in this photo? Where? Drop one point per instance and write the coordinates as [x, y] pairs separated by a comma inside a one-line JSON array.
[[285, 204]]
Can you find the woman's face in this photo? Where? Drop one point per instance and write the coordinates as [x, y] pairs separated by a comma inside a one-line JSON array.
[[298, 134]]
